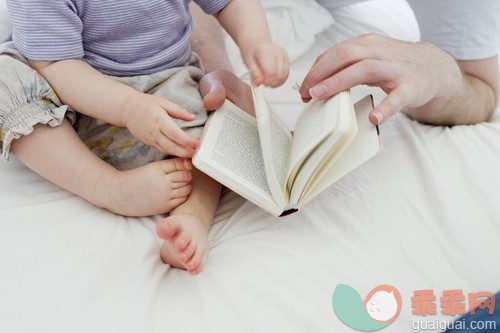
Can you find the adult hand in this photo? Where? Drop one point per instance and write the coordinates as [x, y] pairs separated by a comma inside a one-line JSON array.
[[412, 74], [219, 85]]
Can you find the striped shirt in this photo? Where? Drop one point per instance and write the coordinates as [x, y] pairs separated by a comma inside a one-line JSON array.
[[116, 37]]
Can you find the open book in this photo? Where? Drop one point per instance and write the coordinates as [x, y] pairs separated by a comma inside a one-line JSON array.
[[258, 158]]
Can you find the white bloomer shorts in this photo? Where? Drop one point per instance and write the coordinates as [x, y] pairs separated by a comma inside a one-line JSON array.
[[26, 99]]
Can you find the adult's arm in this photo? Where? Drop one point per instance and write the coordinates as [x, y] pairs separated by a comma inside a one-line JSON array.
[[419, 77], [474, 101]]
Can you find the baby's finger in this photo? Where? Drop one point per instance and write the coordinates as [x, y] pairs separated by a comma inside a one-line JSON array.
[[170, 131], [177, 111], [255, 71], [269, 70], [170, 147], [282, 71]]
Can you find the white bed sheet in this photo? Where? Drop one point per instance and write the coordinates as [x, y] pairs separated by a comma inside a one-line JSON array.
[[422, 214]]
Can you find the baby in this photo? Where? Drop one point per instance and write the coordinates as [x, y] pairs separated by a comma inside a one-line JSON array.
[[127, 69]]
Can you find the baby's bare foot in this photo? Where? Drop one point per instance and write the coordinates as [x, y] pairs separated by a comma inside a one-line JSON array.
[[155, 188], [185, 243]]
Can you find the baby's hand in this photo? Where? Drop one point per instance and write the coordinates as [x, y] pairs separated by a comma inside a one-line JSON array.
[[268, 64], [149, 119]]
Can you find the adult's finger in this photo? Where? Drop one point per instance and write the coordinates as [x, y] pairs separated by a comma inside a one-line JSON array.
[[371, 72], [394, 102], [331, 62]]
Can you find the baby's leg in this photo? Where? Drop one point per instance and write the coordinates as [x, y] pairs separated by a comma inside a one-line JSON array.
[[185, 231], [59, 155]]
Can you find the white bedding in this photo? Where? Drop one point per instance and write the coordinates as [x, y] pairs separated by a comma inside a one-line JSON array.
[[422, 214]]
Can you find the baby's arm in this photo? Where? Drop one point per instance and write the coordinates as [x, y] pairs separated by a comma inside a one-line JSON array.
[[246, 22], [146, 116]]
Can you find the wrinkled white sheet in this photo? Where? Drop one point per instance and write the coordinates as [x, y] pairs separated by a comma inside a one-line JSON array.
[[422, 214]]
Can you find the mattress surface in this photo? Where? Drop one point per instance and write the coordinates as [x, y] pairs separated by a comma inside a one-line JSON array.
[[421, 215]]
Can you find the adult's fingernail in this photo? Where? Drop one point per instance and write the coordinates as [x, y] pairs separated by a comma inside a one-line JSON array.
[[317, 92], [379, 116]]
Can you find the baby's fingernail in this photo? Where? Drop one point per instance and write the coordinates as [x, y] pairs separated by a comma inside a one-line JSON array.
[[317, 92], [258, 80]]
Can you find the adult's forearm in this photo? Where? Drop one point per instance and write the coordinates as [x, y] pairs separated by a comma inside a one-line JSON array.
[[474, 101], [475, 104]]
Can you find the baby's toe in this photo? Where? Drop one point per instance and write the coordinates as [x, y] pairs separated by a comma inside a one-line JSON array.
[[168, 228], [181, 192], [195, 264], [182, 242]]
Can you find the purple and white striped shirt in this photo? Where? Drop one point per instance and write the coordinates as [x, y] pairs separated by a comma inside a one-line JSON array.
[[116, 37]]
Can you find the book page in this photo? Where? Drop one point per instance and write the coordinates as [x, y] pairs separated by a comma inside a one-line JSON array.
[[323, 155], [364, 146], [276, 142], [230, 152], [313, 125]]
